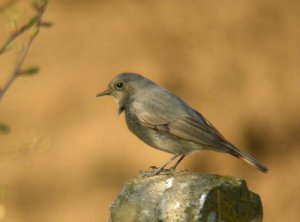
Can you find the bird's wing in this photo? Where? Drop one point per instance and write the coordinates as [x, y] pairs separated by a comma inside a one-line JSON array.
[[184, 126]]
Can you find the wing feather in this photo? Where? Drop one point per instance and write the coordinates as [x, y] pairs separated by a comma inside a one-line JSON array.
[[176, 118], [184, 127]]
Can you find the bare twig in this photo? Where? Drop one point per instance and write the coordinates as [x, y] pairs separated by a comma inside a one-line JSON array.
[[15, 34], [36, 23], [36, 20], [20, 59]]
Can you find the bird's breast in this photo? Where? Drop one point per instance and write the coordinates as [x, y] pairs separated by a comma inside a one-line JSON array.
[[158, 139], [135, 126]]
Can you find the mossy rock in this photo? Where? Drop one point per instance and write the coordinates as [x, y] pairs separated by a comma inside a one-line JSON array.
[[182, 196]]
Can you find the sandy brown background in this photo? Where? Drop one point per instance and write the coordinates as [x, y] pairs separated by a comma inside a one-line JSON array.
[[68, 152]]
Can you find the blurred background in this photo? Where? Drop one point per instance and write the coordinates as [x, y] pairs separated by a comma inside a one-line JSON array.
[[68, 153]]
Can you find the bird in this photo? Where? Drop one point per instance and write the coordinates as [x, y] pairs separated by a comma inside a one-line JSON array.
[[165, 122]]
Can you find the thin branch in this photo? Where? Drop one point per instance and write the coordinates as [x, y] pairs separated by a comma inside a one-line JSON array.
[[36, 20], [20, 59], [22, 54], [15, 34]]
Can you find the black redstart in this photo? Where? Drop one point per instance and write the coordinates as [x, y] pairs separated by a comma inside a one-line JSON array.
[[163, 121]]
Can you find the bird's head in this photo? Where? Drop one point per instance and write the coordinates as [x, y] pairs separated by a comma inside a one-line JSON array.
[[123, 87]]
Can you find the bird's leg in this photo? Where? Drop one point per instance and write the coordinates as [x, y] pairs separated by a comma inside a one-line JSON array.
[[177, 162], [156, 172]]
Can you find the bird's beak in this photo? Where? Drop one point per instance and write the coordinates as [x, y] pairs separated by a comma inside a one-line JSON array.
[[106, 92]]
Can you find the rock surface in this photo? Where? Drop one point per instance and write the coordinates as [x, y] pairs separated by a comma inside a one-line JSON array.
[[182, 196]]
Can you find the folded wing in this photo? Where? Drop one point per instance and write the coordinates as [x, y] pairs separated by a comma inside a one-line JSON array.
[[187, 127]]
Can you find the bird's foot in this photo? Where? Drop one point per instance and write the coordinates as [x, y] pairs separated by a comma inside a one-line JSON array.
[[153, 171]]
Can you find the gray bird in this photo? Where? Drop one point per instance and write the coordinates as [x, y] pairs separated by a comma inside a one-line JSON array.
[[165, 122]]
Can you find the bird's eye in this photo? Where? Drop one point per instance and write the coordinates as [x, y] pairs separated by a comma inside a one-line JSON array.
[[120, 85]]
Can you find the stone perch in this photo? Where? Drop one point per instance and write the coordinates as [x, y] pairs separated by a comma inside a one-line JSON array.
[[186, 197]]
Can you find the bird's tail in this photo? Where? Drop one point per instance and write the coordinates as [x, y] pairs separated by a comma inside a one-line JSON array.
[[246, 157]]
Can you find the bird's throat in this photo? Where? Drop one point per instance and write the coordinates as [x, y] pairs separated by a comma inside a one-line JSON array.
[[121, 108]]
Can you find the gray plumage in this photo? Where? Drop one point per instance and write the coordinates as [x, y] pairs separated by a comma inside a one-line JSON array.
[[163, 121]]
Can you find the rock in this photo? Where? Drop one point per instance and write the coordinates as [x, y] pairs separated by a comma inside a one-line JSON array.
[[182, 196]]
